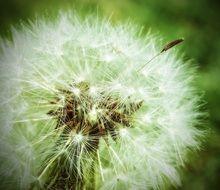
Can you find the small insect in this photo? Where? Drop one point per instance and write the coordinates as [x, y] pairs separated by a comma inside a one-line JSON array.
[[165, 48]]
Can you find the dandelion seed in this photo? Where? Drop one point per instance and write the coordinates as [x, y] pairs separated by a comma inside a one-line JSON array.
[[171, 44], [93, 91], [93, 114], [78, 138], [76, 91], [166, 47]]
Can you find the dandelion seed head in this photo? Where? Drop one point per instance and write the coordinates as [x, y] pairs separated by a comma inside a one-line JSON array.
[[74, 109]]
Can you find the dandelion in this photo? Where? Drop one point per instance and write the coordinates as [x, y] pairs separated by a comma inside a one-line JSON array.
[[76, 113]]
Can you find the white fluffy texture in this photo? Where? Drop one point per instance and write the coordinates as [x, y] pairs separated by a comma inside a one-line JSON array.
[[48, 55]]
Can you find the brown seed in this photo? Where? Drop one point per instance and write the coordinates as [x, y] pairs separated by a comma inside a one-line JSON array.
[[171, 44], [165, 48]]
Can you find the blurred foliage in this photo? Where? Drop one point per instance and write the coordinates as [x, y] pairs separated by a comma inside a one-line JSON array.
[[197, 21]]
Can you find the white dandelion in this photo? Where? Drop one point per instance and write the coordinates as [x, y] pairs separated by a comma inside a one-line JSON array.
[[81, 108]]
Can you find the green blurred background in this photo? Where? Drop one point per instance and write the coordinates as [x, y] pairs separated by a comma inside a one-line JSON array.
[[198, 21]]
